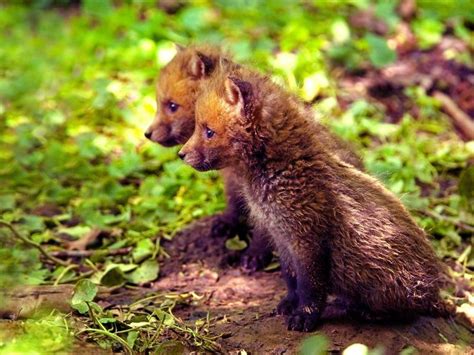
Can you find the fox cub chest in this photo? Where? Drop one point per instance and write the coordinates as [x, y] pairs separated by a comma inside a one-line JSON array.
[[266, 209]]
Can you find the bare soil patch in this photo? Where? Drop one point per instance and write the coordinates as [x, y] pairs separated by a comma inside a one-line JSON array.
[[244, 305]]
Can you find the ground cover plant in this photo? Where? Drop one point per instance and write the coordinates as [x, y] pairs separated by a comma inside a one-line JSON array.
[[91, 214]]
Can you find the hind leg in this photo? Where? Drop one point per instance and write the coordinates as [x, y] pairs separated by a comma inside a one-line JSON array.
[[339, 307], [361, 312], [343, 306]]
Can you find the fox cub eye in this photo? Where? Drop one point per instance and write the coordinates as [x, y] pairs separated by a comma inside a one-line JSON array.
[[209, 133], [172, 106]]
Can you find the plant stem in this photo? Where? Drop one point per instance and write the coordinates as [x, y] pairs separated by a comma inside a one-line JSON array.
[[33, 244], [125, 345]]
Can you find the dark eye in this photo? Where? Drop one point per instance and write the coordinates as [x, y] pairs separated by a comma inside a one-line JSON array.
[[209, 133], [172, 106]]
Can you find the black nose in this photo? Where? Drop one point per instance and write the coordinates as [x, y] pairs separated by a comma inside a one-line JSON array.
[[148, 134], [181, 155]]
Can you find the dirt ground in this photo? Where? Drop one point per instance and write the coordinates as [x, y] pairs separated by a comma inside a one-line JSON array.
[[245, 305]]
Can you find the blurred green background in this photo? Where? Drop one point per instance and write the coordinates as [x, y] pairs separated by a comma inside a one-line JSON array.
[[77, 92]]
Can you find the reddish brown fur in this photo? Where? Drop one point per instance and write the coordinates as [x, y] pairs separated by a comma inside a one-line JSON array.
[[180, 82], [336, 228]]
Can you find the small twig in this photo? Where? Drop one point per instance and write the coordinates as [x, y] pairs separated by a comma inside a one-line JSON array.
[[82, 276], [33, 244], [87, 253], [125, 345], [64, 272], [460, 118], [460, 225]]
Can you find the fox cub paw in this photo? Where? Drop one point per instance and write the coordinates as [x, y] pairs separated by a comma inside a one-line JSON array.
[[254, 260], [223, 227], [304, 319], [287, 305]]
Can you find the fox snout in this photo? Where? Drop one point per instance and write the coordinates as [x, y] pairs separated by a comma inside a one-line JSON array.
[[194, 158], [161, 134]]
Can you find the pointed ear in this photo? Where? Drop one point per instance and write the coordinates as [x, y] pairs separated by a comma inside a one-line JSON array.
[[225, 63], [179, 47], [238, 91], [200, 65]]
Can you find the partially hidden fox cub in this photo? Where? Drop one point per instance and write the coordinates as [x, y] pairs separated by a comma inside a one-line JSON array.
[[178, 86], [337, 229]]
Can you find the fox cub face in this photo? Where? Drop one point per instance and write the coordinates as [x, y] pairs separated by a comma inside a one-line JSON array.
[[221, 118], [176, 91]]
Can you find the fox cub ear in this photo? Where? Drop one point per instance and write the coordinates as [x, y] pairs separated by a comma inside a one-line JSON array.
[[200, 65], [225, 63], [238, 92], [179, 47]]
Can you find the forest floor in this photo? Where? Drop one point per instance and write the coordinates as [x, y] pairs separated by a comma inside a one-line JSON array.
[[241, 306], [244, 305]]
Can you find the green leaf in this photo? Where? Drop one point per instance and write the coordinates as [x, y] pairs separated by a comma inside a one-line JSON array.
[[144, 249], [43, 335], [235, 244], [272, 266], [195, 18], [314, 345], [32, 223], [76, 231], [84, 291], [97, 7], [379, 53], [131, 338], [409, 350], [7, 202], [385, 10], [146, 272], [127, 164], [164, 317], [466, 184], [112, 276], [428, 32]]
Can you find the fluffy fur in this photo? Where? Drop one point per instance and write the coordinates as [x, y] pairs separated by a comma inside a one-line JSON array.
[[336, 228], [179, 83]]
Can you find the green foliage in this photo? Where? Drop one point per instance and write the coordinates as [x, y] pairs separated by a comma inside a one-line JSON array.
[[146, 272], [235, 244], [428, 32], [142, 325], [77, 92], [314, 345], [466, 185], [84, 292], [379, 53], [50, 334]]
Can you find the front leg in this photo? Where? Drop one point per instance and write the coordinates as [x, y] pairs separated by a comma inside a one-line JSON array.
[[233, 220], [259, 253], [290, 302], [311, 263]]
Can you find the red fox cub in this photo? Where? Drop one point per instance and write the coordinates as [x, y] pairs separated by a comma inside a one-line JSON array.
[[337, 229], [178, 86]]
